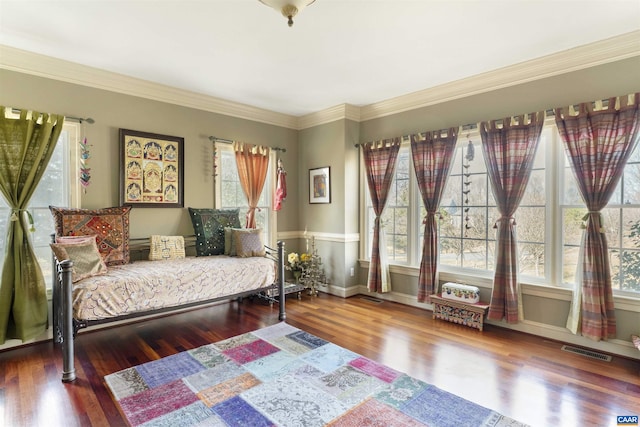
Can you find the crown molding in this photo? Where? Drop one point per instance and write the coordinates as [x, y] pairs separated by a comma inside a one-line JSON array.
[[57, 69], [590, 55], [339, 112], [601, 52]]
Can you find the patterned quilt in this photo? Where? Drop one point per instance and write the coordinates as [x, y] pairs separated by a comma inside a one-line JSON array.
[[149, 285]]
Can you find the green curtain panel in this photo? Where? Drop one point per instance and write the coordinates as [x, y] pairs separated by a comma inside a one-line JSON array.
[[26, 146]]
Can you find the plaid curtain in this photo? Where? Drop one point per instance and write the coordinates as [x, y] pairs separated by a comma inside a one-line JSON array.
[[509, 151], [380, 160], [253, 163], [26, 146], [432, 159], [598, 145]]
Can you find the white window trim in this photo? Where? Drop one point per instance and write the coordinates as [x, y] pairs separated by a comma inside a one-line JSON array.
[[75, 189], [273, 215], [554, 157]]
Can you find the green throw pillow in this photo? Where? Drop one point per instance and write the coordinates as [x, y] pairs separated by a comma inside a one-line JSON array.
[[230, 242], [208, 226]]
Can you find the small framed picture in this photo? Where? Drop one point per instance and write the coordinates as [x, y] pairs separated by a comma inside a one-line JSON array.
[[320, 185]]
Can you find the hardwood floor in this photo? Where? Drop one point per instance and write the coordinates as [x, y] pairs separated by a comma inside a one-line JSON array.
[[522, 376]]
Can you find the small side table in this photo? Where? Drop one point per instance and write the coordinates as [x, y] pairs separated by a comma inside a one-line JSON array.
[[468, 314]]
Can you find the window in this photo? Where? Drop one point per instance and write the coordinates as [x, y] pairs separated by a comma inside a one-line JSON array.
[[58, 187], [468, 211], [230, 194], [549, 218], [395, 218], [622, 226]]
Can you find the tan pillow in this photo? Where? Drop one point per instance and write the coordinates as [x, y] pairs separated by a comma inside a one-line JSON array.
[[248, 242], [230, 241], [166, 247], [75, 239], [86, 258]]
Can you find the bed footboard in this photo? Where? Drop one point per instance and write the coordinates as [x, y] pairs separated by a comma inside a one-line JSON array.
[[65, 326]]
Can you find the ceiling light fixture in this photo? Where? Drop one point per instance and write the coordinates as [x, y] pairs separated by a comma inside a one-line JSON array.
[[288, 8]]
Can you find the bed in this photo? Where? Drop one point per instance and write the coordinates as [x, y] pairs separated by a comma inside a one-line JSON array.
[[96, 281]]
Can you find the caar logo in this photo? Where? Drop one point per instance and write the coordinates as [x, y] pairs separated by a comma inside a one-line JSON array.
[[627, 420]]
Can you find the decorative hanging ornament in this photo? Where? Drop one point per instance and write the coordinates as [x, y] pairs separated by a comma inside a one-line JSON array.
[[467, 185], [470, 151], [85, 172]]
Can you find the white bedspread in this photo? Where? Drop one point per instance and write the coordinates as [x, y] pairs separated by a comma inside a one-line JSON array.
[[148, 285]]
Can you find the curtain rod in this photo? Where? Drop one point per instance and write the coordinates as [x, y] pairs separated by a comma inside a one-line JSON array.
[[78, 119], [215, 139], [468, 127]]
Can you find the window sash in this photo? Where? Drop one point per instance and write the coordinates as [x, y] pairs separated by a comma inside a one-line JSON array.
[[229, 193], [552, 167]]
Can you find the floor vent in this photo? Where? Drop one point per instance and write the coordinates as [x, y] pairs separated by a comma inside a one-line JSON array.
[[372, 299], [587, 353]]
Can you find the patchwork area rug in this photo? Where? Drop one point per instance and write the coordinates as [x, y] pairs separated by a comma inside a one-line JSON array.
[[283, 376]]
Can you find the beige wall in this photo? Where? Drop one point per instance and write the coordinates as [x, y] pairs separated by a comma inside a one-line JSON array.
[[337, 224], [544, 315], [333, 224], [617, 78], [113, 111]]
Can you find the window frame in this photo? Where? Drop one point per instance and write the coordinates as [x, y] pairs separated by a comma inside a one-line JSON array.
[[563, 168], [270, 238], [554, 158]]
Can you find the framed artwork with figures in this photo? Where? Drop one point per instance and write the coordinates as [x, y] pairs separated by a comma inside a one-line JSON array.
[[151, 169]]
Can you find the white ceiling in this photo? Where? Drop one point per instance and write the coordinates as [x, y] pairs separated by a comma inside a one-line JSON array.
[[356, 52]]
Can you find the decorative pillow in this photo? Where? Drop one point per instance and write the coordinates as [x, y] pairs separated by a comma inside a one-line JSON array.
[[636, 341], [111, 225], [248, 242], [87, 261], [230, 242], [166, 247], [75, 239], [208, 226]]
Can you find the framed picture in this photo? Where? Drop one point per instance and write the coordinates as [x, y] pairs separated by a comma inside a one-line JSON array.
[[320, 185], [151, 169]]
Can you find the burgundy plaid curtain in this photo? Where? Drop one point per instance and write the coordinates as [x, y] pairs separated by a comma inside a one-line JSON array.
[[253, 163], [598, 145], [509, 152], [380, 160], [432, 159]]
